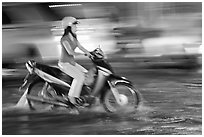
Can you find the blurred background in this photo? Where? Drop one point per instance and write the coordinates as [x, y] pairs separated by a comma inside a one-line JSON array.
[[147, 34], [156, 45]]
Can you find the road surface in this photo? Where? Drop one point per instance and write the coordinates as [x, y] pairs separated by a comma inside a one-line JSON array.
[[172, 105]]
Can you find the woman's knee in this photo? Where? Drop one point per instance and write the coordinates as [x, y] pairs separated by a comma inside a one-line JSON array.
[[80, 78]]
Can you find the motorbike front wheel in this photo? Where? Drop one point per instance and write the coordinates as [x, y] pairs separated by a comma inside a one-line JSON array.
[[129, 99]]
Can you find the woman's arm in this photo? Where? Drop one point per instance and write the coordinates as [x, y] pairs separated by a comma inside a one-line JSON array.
[[83, 49]]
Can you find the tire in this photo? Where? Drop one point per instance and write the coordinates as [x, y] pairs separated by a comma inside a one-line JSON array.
[[34, 91], [130, 99]]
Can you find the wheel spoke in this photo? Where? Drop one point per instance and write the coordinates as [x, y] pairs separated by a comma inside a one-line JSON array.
[[35, 97]]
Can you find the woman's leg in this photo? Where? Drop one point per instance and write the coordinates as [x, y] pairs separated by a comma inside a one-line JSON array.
[[77, 74], [81, 68]]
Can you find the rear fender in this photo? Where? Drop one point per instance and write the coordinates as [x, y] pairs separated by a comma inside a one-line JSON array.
[[28, 80]]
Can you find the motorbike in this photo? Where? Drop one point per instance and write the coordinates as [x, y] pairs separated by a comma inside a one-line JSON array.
[[113, 92]]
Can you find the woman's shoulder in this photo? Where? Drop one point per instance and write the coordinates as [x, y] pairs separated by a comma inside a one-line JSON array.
[[65, 37]]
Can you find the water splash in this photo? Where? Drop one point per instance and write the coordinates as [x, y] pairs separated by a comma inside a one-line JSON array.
[[23, 102]]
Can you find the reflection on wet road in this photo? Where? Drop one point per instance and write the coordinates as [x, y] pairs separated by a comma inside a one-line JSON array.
[[172, 105]]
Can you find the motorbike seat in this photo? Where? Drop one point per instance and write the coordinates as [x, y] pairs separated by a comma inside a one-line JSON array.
[[54, 71]]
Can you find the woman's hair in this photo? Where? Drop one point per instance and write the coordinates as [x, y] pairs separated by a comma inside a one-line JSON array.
[[69, 30]]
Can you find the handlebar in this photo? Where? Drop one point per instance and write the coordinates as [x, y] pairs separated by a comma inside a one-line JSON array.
[[97, 54], [92, 56]]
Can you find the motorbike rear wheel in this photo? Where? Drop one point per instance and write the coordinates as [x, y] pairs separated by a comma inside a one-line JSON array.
[[35, 98], [129, 99]]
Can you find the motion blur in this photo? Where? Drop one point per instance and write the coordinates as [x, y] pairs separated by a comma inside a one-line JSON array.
[[157, 45], [156, 30]]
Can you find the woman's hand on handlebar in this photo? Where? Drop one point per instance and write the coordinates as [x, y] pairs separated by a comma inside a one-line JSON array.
[[88, 54]]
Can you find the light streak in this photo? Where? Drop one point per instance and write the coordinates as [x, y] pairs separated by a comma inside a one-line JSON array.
[[64, 5]]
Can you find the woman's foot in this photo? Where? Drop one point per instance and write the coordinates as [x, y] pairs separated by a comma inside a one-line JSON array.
[[76, 101], [82, 101], [89, 100]]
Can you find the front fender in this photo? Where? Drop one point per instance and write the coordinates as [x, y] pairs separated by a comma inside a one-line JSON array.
[[114, 80]]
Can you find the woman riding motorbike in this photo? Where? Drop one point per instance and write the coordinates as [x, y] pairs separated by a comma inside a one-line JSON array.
[[67, 62]]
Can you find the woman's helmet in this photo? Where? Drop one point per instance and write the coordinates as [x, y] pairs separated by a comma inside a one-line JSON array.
[[69, 21]]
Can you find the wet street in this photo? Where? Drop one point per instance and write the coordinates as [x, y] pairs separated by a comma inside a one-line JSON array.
[[172, 105], [157, 46]]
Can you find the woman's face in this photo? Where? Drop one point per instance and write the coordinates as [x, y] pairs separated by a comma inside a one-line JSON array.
[[74, 28]]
